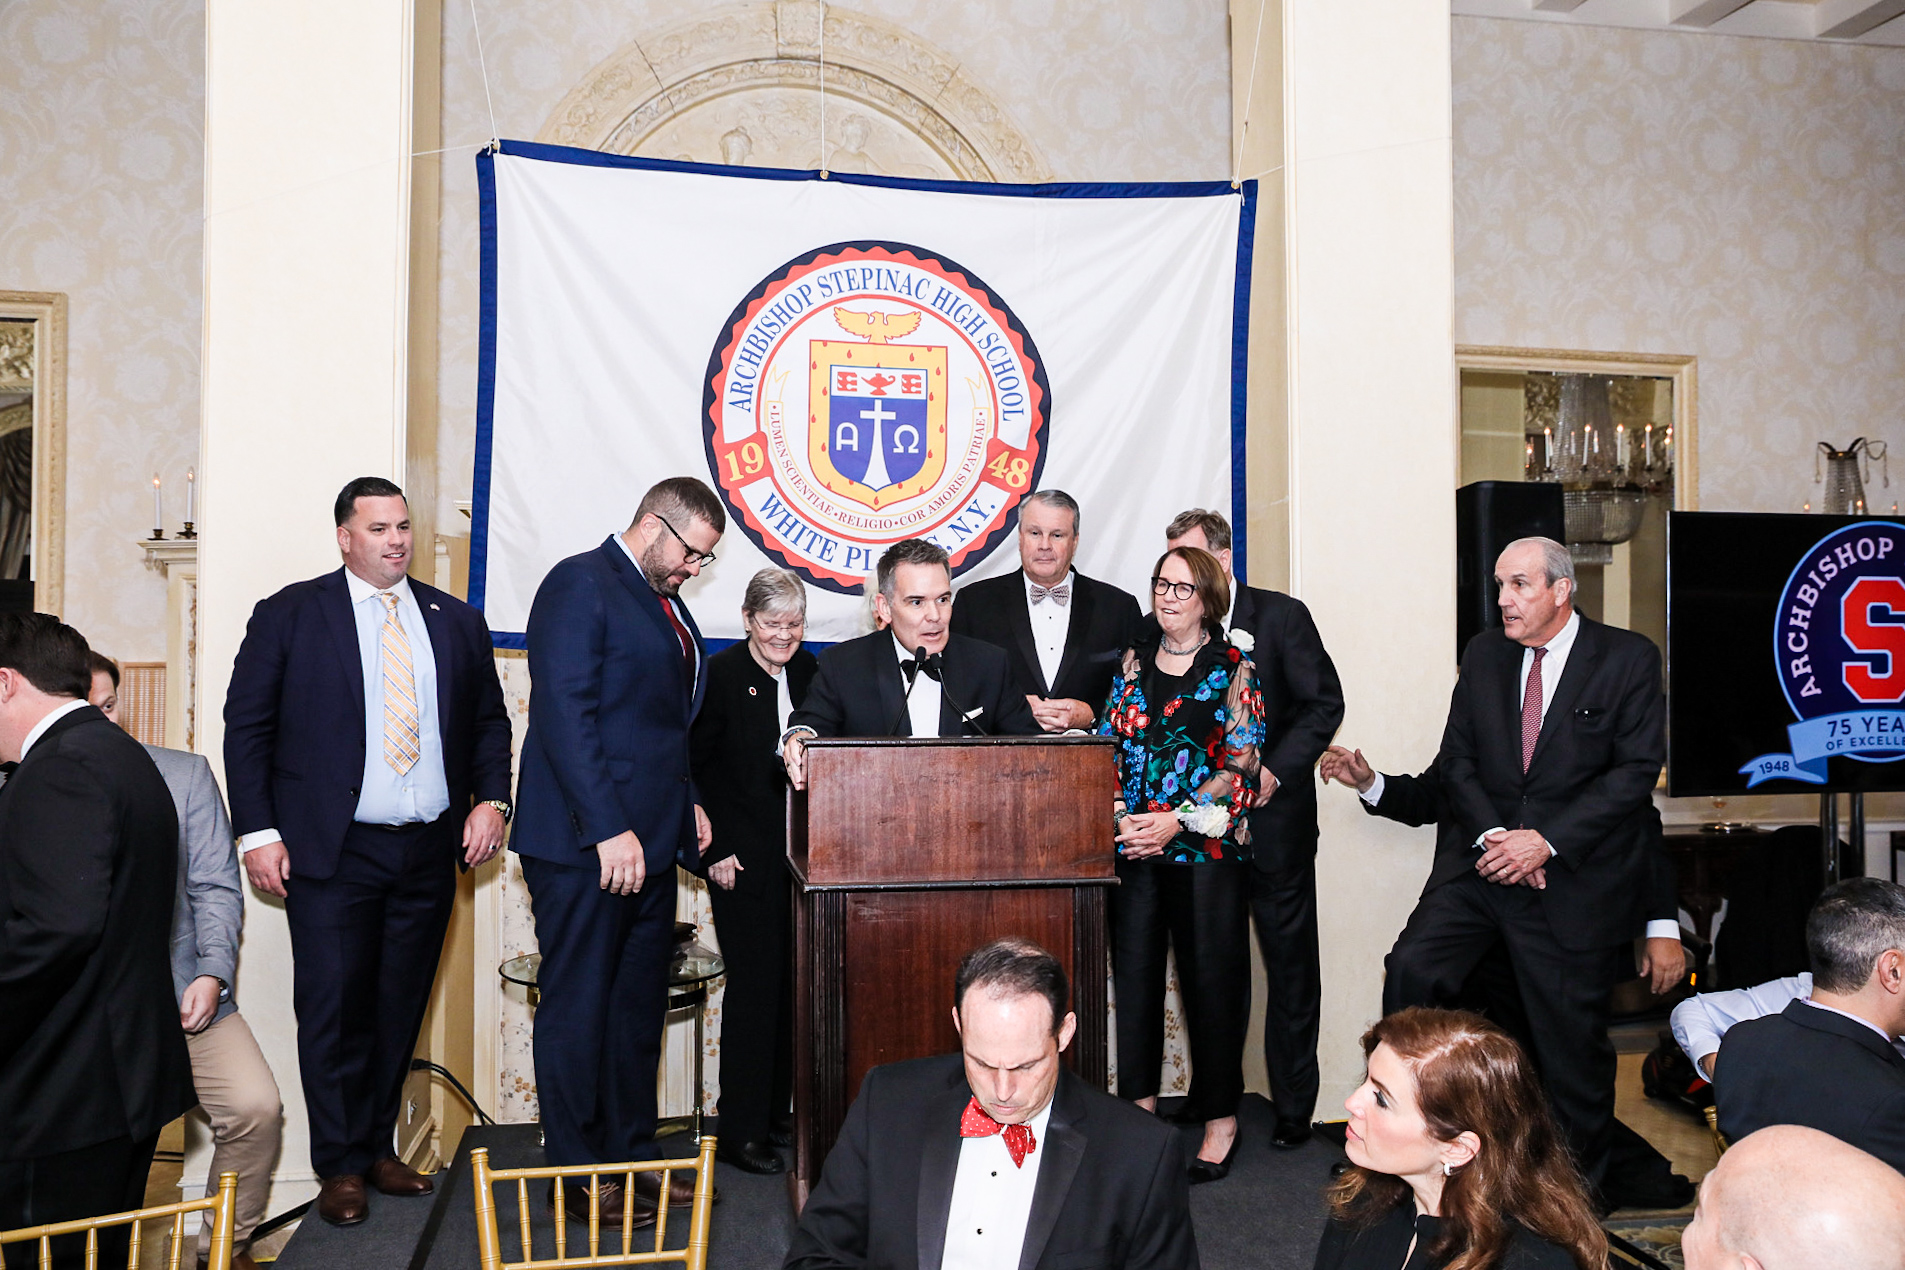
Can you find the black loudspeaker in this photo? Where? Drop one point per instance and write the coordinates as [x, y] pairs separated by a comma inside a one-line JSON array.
[[1488, 516]]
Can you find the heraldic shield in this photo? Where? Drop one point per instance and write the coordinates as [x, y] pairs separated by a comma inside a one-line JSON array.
[[876, 422]]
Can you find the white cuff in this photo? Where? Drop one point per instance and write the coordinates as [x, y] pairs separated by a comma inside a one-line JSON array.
[[258, 838], [1481, 842], [1373, 794], [1663, 928]]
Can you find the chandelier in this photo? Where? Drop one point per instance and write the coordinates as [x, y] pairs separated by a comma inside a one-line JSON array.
[[1599, 442]]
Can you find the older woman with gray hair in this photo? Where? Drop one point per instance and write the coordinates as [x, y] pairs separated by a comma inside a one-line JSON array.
[[752, 688]]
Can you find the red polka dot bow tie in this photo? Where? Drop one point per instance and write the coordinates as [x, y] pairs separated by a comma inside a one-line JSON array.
[[1018, 1138]]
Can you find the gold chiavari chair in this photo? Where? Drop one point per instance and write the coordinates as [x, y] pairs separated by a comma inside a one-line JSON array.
[[221, 1204], [489, 1241], [1713, 1126]]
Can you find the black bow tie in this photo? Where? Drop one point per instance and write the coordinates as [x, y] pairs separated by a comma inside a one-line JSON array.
[[913, 665]]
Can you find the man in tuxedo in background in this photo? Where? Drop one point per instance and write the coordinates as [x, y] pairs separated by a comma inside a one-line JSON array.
[[1554, 740], [1064, 632], [366, 752], [92, 1062], [608, 809], [1831, 1060], [1000, 1155], [878, 684], [1302, 708]]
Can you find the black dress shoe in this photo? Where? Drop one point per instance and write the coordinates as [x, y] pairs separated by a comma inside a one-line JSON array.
[[781, 1135], [1670, 1191], [1290, 1134], [1203, 1170], [750, 1157]]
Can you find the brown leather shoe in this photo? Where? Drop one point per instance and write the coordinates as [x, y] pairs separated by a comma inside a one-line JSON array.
[[681, 1189], [393, 1177], [341, 1200], [575, 1202]]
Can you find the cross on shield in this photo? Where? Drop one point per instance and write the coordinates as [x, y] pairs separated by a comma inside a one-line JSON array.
[[877, 423]]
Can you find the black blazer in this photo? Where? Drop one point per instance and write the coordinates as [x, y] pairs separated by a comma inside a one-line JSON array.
[[1589, 789], [1112, 1190], [1417, 800], [732, 750], [294, 716], [1302, 708], [1104, 622], [90, 1046], [1383, 1244], [859, 691], [1812, 1067]]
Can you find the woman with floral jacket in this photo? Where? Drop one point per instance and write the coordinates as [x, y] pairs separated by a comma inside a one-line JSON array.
[[1188, 718]]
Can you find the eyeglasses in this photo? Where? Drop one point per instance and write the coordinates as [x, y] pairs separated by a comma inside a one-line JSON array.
[[794, 627], [1176, 590], [701, 558]]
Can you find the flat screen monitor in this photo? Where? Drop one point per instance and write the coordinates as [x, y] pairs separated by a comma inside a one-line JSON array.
[[1785, 653]]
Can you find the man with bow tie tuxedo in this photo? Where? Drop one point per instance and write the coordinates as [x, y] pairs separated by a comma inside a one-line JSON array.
[[877, 685], [1064, 632], [1555, 738], [1000, 1155]]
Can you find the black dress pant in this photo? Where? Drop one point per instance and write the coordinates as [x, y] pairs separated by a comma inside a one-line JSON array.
[[106, 1177], [1284, 905], [1201, 911], [1564, 994], [754, 922], [364, 949]]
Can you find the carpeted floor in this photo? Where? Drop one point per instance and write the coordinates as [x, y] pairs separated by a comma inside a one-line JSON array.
[[1266, 1215]]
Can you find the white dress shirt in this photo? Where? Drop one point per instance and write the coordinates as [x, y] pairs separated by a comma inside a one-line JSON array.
[[52, 716], [922, 704], [1051, 622], [783, 700], [1700, 1021], [992, 1200]]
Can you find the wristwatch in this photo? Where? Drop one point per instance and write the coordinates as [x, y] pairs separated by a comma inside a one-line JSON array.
[[503, 809], [1117, 818]]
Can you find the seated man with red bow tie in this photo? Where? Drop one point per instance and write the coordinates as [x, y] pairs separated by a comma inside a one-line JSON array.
[[939, 1162]]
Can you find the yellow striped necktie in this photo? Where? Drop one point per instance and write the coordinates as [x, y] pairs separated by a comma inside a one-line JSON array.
[[401, 744]]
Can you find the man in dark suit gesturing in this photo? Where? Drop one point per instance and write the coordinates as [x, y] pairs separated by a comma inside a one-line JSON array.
[[608, 809], [1000, 1155], [1548, 762], [1830, 1061], [1302, 708], [878, 685], [92, 1062], [1064, 632], [366, 750]]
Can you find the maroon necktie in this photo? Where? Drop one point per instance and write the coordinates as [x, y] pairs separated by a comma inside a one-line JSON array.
[[1531, 710], [681, 633]]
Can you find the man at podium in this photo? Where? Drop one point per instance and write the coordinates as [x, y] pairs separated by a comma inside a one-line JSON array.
[[915, 678]]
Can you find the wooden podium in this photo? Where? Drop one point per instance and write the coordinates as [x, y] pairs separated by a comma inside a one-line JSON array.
[[910, 851]]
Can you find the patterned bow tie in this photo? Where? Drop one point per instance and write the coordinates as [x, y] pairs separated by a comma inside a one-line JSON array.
[[1018, 1138], [1061, 594]]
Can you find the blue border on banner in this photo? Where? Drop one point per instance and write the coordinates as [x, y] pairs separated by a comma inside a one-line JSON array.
[[486, 339]]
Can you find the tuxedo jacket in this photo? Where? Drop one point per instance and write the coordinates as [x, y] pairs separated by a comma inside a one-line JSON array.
[[1104, 622], [1588, 789], [859, 691], [1302, 708], [607, 747], [1812, 1067], [90, 1046], [294, 716], [1112, 1190], [733, 749], [1417, 800]]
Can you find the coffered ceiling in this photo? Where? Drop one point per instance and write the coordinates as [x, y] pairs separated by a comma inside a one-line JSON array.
[[1861, 21]]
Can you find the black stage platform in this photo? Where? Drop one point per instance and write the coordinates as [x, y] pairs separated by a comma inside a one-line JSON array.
[[1267, 1214]]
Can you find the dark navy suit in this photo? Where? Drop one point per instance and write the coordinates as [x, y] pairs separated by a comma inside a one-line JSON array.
[[607, 752], [367, 905]]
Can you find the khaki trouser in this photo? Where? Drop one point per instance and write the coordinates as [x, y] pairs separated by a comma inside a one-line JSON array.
[[240, 1097]]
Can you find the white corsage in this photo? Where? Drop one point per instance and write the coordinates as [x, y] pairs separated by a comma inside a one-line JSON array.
[[1240, 639], [1206, 820]]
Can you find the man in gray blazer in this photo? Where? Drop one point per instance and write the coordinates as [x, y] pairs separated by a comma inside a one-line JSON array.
[[235, 1085]]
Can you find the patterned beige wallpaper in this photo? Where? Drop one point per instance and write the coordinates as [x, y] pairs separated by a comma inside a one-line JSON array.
[[101, 132], [1741, 200]]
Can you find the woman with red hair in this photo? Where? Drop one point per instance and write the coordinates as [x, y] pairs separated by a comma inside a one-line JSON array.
[[1457, 1161]]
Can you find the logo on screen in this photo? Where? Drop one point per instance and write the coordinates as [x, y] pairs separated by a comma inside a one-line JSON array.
[[868, 392], [1839, 645]]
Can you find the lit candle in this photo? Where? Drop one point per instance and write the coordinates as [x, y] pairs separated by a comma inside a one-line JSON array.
[[1808, 506], [1528, 459], [1620, 446], [1547, 447], [158, 505], [191, 494], [1647, 447]]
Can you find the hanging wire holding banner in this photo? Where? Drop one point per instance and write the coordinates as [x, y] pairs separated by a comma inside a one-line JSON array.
[[823, 89], [482, 63], [1250, 92]]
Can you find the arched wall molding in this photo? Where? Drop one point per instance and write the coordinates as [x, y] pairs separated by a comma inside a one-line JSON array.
[[697, 85]]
